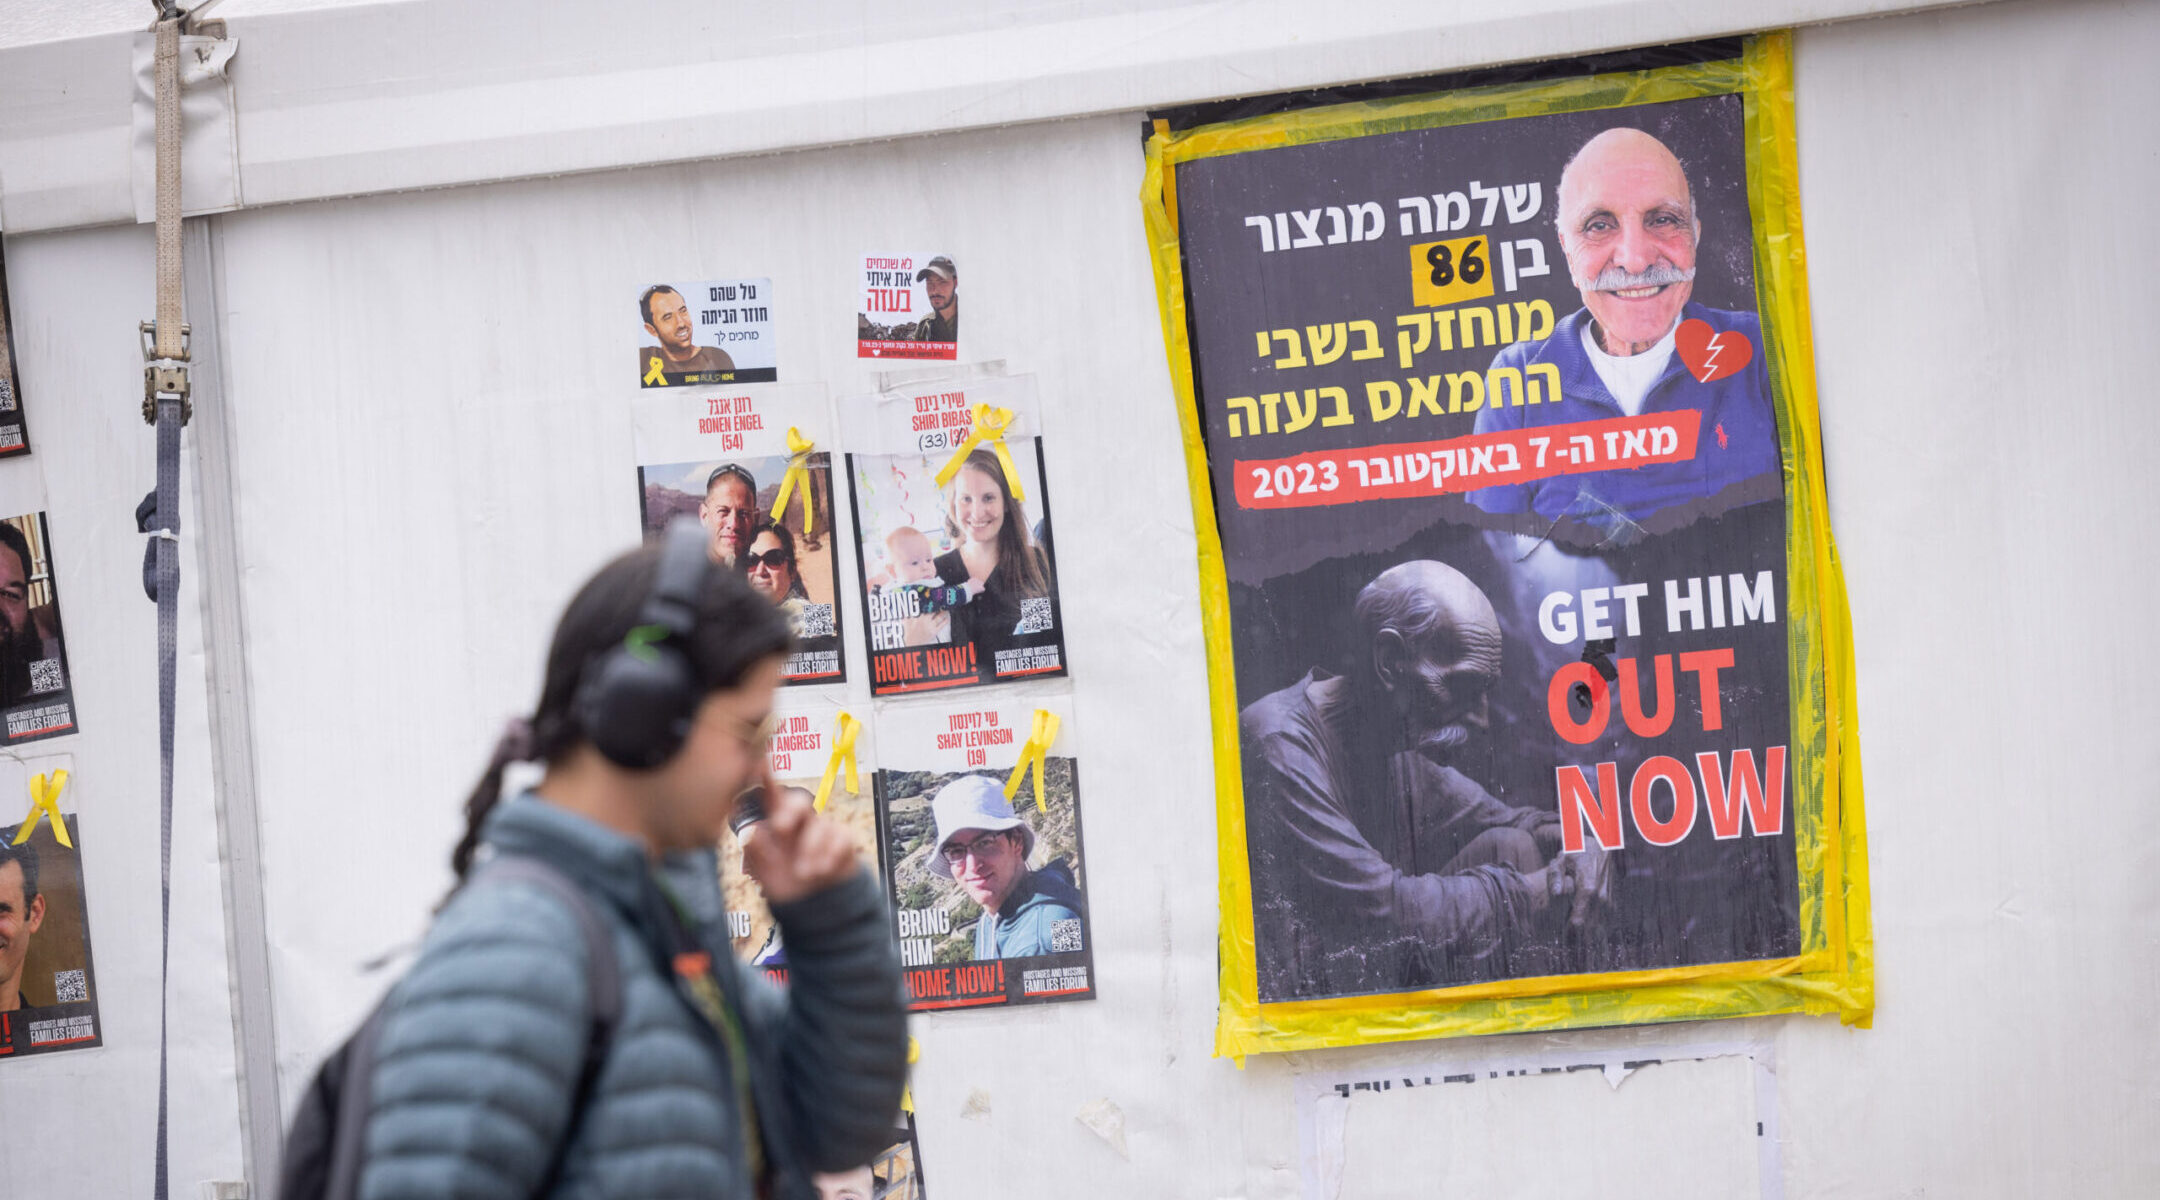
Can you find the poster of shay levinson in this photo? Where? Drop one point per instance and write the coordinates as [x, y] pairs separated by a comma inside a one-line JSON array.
[[48, 991], [751, 465], [978, 808], [1505, 427], [710, 331], [820, 755], [953, 542]]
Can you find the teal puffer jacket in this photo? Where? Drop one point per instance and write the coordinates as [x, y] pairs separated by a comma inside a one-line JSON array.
[[483, 1039]]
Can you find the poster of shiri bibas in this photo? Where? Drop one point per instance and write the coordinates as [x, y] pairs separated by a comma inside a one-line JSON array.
[[801, 757], [48, 991], [14, 430], [751, 465], [978, 809], [710, 331], [1501, 408], [953, 541]]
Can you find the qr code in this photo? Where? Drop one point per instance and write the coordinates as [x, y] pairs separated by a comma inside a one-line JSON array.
[[1034, 616], [816, 621], [1065, 935], [7, 396], [45, 676], [69, 987]]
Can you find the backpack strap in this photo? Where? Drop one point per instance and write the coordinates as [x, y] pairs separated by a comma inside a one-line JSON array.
[[355, 1096], [603, 977], [357, 1058]]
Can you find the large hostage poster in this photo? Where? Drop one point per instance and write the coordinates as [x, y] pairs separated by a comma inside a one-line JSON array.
[[989, 890], [1504, 441], [48, 991], [750, 465]]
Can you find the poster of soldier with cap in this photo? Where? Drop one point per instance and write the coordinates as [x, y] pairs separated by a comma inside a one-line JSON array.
[[910, 307], [1494, 424], [978, 810], [14, 432], [48, 992], [749, 464], [710, 331]]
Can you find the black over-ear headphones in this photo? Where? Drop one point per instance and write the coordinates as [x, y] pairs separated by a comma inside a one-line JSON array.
[[635, 702]]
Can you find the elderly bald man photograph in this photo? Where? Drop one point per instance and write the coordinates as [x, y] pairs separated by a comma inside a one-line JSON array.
[[1377, 864], [1628, 228]]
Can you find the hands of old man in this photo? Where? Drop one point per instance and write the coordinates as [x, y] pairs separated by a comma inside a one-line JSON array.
[[1586, 875]]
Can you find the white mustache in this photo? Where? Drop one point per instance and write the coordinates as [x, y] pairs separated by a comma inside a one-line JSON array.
[[1613, 279]]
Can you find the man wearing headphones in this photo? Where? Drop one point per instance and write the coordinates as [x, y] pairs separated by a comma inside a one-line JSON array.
[[494, 1072]]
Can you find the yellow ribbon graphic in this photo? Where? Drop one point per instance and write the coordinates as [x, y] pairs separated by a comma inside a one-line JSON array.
[[989, 427], [843, 751], [798, 474], [657, 376], [45, 801], [1032, 754], [907, 1091]]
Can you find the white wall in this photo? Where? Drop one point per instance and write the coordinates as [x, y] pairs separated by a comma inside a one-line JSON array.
[[432, 441], [1985, 426], [341, 99], [83, 1122]]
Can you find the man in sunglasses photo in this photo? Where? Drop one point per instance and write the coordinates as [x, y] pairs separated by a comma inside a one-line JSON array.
[[729, 512], [984, 847]]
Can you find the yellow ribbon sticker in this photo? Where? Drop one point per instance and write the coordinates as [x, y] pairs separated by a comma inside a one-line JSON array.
[[1032, 754], [990, 423], [843, 751], [657, 376], [907, 1091], [45, 802], [798, 475]]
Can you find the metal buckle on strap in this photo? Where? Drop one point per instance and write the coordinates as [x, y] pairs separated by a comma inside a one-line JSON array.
[[164, 376]]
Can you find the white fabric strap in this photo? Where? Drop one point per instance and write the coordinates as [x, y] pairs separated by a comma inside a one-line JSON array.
[[169, 413]]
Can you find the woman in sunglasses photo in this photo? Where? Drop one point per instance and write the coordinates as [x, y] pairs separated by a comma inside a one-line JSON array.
[[770, 567]]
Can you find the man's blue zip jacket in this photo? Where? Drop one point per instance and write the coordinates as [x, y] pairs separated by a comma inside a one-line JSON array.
[[1737, 442]]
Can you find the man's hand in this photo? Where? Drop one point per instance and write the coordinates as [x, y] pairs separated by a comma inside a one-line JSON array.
[[796, 852], [1587, 876]]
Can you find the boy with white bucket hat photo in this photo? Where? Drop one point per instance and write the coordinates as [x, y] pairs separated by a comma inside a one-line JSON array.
[[984, 846]]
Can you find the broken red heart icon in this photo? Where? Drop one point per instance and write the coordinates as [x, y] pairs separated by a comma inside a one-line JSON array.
[[1711, 356]]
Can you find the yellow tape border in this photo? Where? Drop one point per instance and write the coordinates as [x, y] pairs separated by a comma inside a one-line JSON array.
[[1835, 971]]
